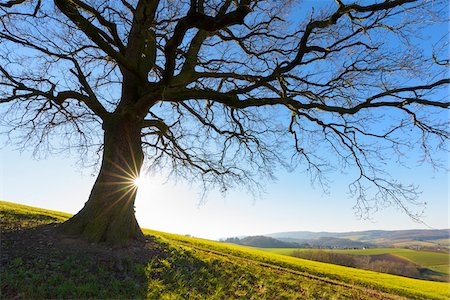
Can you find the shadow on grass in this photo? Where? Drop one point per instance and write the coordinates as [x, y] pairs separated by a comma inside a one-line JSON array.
[[39, 262], [11, 221]]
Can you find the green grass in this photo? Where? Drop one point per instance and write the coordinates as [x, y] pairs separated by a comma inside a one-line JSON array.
[[414, 244], [194, 268], [282, 251], [70, 277], [17, 216], [441, 269]]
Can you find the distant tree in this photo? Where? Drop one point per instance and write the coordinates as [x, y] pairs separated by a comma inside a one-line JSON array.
[[263, 242], [223, 92], [233, 240]]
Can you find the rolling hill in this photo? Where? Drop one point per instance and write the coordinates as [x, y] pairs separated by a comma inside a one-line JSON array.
[[37, 262], [416, 239], [260, 241]]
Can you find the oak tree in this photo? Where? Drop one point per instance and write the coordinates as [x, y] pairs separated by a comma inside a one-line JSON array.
[[224, 92]]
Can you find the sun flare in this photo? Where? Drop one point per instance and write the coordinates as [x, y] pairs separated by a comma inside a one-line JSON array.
[[138, 181]]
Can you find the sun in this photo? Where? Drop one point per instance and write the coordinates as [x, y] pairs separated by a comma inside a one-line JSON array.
[[138, 181]]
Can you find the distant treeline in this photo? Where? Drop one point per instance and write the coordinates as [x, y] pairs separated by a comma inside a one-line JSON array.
[[385, 263], [330, 243], [321, 243], [264, 242]]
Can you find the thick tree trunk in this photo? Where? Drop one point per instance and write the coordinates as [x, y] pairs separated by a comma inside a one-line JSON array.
[[108, 215]]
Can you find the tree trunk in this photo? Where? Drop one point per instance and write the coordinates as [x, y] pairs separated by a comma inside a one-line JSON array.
[[108, 215]]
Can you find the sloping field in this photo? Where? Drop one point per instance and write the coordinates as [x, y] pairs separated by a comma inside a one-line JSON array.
[[436, 261], [16, 216], [426, 259], [178, 267]]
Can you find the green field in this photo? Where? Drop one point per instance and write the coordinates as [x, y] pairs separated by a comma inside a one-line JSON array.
[[436, 261], [184, 267], [423, 258], [402, 242], [421, 244], [443, 242]]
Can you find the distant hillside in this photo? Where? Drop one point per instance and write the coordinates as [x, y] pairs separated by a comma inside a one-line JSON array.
[[264, 242], [330, 242], [416, 238], [368, 235], [322, 242]]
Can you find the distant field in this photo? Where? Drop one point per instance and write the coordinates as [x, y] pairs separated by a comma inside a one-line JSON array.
[[422, 258], [445, 242], [401, 242], [442, 269], [430, 244], [436, 261]]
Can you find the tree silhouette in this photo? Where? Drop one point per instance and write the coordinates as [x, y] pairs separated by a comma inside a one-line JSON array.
[[223, 92]]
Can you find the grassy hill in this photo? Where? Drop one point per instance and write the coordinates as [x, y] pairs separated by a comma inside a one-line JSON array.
[[37, 262]]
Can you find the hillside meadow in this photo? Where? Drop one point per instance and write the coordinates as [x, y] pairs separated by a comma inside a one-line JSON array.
[[37, 262]]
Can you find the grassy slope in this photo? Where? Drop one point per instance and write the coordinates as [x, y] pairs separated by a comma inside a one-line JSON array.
[[22, 216], [196, 268], [282, 251], [390, 283]]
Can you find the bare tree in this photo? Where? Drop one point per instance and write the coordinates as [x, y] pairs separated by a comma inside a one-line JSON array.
[[223, 92]]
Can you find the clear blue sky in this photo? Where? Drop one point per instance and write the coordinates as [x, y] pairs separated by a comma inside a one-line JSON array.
[[289, 204]]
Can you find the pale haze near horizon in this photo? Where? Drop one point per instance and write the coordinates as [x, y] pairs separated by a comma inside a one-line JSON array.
[[289, 204]]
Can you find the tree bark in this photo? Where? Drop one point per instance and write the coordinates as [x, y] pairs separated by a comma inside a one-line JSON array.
[[108, 215]]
